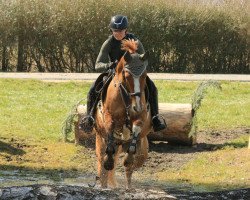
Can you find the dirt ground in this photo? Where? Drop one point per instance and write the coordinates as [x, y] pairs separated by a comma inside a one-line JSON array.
[[161, 156]]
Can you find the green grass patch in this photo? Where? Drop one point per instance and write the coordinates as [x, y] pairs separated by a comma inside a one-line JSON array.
[[226, 109], [224, 169], [34, 109]]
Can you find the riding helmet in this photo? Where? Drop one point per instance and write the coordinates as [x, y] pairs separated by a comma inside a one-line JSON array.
[[119, 22]]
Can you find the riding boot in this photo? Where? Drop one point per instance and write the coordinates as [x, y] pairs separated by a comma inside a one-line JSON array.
[[87, 122], [158, 124]]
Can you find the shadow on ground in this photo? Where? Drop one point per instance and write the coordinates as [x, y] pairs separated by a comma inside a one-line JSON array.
[[9, 149]]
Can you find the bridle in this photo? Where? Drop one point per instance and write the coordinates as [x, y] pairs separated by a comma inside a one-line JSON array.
[[131, 94], [125, 95]]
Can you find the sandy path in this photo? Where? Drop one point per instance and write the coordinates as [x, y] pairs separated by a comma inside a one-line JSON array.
[[154, 76]]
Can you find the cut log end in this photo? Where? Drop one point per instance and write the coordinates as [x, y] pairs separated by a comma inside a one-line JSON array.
[[179, 121]]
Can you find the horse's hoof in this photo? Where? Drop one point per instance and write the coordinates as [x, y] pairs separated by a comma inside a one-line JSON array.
[[108, 163]]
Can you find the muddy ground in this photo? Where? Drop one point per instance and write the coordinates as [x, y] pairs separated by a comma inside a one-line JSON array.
[[161, 156]]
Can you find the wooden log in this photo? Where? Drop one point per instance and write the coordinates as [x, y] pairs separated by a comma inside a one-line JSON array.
[[178, 118], [83, 138]]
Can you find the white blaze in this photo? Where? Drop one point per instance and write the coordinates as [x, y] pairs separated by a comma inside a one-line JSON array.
[[137, 89]]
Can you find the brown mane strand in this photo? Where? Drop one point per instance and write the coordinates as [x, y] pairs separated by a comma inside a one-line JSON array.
[[129, 45]]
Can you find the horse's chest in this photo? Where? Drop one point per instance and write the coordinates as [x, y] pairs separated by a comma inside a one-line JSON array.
[[121, 132]]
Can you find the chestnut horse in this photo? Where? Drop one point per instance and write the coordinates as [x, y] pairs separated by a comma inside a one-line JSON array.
[[123, 118]]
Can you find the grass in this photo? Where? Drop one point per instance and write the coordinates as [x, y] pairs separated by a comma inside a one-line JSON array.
[[31, 116], [36, 109], [224, 169], [232, 100], [226, 109], [32, 112]]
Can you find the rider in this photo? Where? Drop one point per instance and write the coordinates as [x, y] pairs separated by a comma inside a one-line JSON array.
[[108, 57]]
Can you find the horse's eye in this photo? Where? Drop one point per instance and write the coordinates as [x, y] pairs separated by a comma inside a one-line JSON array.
[[127, 75]]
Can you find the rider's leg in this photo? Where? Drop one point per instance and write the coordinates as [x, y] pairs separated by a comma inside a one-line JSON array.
[[87, 123], [153, 101]]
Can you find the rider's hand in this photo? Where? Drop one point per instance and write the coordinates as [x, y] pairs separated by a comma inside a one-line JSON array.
[[113, 65]]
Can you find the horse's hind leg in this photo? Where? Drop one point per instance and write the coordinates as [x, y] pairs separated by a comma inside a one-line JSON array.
[[110, 151], [142, 153], [129, 171], [100, 152]]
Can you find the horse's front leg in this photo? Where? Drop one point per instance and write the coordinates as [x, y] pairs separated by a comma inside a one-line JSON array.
[[129, 157], [100, 153]]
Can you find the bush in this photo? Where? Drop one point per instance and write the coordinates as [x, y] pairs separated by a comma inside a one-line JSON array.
[[65, 36]]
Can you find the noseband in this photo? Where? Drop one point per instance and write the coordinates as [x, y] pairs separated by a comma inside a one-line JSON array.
[[136, 94]]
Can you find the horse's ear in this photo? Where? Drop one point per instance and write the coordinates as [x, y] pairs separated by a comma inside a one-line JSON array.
[[144, 56], [127, 57]]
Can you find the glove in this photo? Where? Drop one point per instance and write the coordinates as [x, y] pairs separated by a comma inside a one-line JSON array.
[[112, 65]]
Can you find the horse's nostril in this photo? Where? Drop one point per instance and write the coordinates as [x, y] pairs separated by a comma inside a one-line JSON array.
[[135, 109]]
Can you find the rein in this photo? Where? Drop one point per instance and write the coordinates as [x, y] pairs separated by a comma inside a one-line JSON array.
[[125, 95]]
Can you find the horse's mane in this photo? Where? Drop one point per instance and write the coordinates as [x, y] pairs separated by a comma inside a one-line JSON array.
[[129, 45]]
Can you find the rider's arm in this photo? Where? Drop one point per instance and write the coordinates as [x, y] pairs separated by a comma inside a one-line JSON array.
[[140, 49], [103, 61]]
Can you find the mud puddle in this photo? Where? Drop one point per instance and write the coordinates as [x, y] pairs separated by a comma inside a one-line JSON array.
[[28, 185]]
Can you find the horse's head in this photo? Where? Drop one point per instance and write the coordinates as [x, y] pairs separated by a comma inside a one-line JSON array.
[[132, 73]]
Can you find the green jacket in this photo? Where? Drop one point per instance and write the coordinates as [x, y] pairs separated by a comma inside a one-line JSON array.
[[111, 51]]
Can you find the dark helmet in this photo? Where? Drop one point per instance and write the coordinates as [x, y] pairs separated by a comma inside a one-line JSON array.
[[119, 22]]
